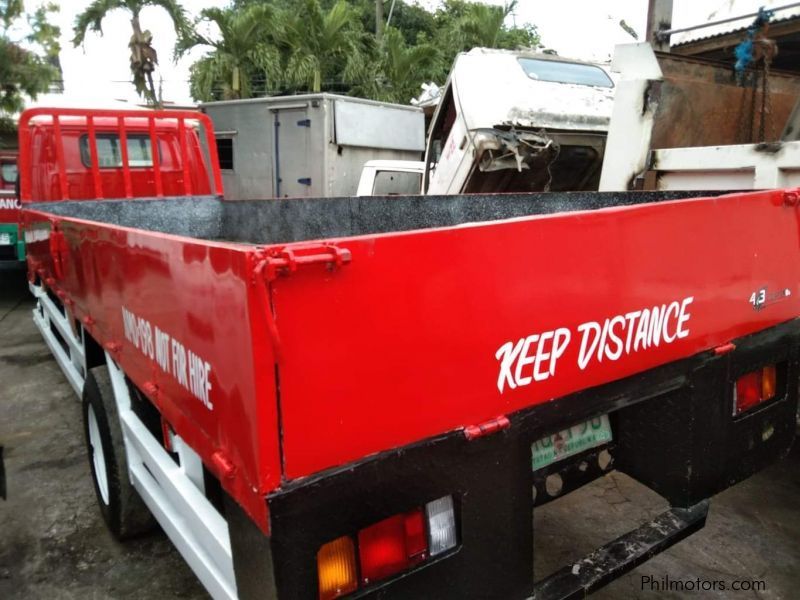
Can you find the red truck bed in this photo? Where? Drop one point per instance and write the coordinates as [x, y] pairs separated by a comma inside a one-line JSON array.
[[416, 333], [378, 382]]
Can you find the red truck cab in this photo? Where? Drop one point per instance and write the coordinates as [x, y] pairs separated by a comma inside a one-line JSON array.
[[11, 247]]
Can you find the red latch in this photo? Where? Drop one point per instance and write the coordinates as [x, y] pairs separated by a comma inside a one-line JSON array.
[[487, 428], [791, 197], [724, 348], [286, 261], [283, 261]]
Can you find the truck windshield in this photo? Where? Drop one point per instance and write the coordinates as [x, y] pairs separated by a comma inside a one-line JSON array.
[[109, 154], [8, 170], [565, 72]]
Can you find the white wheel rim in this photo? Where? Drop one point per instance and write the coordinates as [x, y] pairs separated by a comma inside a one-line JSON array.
[[98, 458]]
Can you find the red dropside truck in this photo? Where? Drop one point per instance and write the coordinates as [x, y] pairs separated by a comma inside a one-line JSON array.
[[320, 398]]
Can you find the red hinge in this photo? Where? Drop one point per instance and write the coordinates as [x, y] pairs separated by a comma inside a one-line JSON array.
[[224, 467], [285, 261], [487, 428]]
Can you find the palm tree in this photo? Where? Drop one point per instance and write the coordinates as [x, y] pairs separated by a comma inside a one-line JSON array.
[[317, 42], [399, 69], [472, 24], [143, 55], [244, 43]]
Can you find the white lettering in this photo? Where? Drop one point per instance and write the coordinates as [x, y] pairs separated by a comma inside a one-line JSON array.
[[534, 358], [684, 317], [585, 355]]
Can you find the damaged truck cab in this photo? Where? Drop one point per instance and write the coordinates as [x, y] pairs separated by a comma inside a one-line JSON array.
[[513, 121]]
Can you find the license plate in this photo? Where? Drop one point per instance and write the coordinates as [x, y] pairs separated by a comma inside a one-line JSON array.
[[594, 432], [5, 239]]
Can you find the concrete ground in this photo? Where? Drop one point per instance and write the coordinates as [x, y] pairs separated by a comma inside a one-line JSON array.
[[53, 543]]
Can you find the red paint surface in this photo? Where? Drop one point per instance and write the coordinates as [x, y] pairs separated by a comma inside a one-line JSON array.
[[399, 344]]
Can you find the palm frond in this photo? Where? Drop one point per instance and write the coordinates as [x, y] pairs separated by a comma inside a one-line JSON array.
[[91, 19]]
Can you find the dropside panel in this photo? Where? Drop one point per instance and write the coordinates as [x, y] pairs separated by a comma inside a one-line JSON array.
[[183, 320], [426, 332]]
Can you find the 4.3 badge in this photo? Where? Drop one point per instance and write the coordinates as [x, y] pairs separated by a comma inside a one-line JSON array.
[[763, 297]]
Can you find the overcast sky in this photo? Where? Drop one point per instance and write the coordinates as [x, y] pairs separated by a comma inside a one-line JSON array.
[[586, 29]]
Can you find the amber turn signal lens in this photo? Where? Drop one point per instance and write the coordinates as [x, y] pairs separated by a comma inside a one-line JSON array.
[[336, 568], [768, 386]]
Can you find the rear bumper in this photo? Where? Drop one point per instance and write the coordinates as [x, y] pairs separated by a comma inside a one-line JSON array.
[[674, 432]]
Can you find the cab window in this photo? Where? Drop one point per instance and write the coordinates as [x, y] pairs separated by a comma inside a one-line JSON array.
[[395, 183], [8, 171], [109, 152], [565, 72]]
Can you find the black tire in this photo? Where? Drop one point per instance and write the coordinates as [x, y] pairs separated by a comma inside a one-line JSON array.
[[123, 510]]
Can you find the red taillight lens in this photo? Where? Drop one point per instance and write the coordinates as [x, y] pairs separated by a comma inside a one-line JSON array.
[[391, 546], [754, 388]]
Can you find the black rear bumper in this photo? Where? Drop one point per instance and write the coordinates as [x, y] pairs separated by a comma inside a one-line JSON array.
[[673, 432]]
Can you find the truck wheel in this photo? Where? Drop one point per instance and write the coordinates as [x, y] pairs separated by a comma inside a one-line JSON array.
[[124, 512]]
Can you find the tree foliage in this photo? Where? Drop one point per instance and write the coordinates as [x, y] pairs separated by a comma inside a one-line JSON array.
[[330, 45], [143, 58], [28, 49]]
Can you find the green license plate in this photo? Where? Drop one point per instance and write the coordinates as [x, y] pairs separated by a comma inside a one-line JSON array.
[[594, 432], [5, 239]]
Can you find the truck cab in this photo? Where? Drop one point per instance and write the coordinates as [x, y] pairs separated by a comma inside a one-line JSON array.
[[518, 121], [390, 177], [11, 247]]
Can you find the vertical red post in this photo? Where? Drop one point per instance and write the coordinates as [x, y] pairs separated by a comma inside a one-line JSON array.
[[187, 175], [24, 171], [123, 148], [211, 141], [95, 159], [62, 169], [151, 122]]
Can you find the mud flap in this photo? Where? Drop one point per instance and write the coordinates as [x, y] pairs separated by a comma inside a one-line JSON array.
[[616, 558]]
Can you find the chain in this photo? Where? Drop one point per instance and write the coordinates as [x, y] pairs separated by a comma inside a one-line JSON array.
[[768, 50], [766, 109]]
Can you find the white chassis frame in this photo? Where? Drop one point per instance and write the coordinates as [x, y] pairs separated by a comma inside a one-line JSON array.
[[174, 493]]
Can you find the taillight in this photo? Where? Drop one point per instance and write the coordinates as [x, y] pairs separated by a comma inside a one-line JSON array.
[[336, 568], [754, 388], [392, 546], [441, 525], [386, 548]]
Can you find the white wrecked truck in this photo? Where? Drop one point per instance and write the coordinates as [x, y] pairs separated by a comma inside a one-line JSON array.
[[518, 121]]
